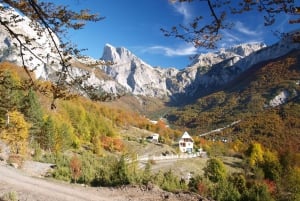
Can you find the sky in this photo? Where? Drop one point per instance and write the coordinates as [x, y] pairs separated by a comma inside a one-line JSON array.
[[136, 24]]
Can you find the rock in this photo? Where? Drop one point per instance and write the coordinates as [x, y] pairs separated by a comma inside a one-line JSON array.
[[15, 165]]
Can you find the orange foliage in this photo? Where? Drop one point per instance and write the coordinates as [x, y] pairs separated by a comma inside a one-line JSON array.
[[118, 144], [202, 188], [112, 144], [7, 66], [199, 141], [271, 185], [75, 166]]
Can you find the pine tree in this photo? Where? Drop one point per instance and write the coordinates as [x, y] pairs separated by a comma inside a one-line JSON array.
[[33, 113], [9, 92], [46, 137]]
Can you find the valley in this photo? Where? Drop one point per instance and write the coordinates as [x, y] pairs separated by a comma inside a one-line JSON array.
[[226, 127]]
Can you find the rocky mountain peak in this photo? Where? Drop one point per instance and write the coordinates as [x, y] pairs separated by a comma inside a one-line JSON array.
[[238, 52], [118, 55]]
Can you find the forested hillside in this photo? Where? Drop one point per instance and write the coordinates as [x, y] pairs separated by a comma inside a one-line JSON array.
[[248, 99], [74, 123], [84, 139]]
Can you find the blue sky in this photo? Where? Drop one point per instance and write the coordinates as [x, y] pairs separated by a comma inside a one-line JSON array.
[[135, 25]]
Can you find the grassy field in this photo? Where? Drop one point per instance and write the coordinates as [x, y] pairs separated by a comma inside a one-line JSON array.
[[181, 167]]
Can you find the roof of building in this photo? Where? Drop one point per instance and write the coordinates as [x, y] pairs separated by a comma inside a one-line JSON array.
[[186, 136]]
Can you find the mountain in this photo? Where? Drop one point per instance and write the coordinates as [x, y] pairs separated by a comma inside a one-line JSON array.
[[130, 74], [206, 73], [264, 100], [40, 54], [135, 75], [130, 71]]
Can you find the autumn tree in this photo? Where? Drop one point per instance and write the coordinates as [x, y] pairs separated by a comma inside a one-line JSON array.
[[271, 166], [16, 132], [206, 31], [255, 154], [75, 167]]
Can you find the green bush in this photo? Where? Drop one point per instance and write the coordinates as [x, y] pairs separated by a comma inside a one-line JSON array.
[[169, 182], [257, 192], [215, 170], [225, 191]]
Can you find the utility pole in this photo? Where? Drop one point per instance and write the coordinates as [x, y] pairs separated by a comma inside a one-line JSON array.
[[7, 118]]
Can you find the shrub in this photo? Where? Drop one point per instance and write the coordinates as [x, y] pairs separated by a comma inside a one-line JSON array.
[[199, 185], [215, 170], [225, 191], [75, 167], [10, 196], [169, 182], [257, 192]]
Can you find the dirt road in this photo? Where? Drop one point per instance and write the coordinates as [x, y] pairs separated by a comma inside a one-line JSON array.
[[29, 188], [38, 189]]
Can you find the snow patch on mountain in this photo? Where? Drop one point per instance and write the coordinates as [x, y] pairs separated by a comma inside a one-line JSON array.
[[280, 99], [233, 54]]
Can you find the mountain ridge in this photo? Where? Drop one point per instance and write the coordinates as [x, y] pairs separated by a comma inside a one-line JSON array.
[[127, 73], [206, 72]]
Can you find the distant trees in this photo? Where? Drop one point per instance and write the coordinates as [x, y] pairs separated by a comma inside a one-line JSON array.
[[207, 34]]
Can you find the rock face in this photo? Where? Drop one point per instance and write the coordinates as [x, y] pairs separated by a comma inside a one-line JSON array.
[[207, 71], [132, 75], [135, 75], [39, 52]]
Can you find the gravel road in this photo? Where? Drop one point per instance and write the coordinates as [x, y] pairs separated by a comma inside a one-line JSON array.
[[30, 188]]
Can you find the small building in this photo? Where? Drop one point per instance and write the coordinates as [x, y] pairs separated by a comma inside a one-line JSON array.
[[186, 143], [153, 138]]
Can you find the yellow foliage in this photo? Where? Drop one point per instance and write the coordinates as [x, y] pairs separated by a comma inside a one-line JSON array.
[[256, 154], [16, 133]]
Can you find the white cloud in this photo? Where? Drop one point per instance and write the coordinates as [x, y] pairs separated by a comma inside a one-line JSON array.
[[230, 37], [167, 51], [184, 10], [240, 34], [240, 27]]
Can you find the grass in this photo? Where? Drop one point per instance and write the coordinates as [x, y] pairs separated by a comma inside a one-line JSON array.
[[180, 167]]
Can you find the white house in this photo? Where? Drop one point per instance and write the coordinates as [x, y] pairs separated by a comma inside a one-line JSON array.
[[153, 138], [186, 143]]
